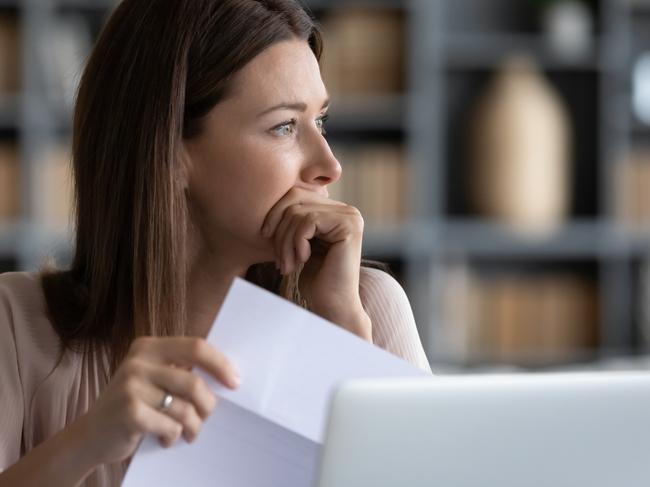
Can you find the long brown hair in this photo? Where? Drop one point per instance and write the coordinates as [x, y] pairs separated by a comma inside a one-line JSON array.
[[158, 67]]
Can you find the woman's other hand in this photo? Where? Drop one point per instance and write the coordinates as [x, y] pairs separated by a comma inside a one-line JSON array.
[[326, 236]]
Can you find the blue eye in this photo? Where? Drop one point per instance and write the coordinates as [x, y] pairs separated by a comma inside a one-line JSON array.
[[320, 123], [289, 127], [286, 128]]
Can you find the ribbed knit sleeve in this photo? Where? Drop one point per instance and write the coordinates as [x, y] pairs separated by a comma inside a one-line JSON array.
[[393, 324], [12, 408]]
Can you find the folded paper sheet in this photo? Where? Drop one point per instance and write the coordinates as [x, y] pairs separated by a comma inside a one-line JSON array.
[[269, 431]]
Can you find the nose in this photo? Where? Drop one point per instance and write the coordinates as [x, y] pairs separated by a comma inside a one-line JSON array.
[[321, 166]]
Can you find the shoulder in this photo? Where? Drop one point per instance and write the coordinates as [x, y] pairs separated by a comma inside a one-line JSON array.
[[393, 325], [21, 296], [16, 296], [378, 289], [16, 287], [371, 275], [24, 320], [18, 291]]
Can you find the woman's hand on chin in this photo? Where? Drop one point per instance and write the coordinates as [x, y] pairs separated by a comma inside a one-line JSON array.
[[326, 236]]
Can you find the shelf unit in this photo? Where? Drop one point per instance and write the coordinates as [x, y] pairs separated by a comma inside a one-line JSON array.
[[592, 232], [448, 38], [446, 41]]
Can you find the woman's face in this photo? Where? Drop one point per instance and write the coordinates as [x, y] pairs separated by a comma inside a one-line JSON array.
[[263, 140]]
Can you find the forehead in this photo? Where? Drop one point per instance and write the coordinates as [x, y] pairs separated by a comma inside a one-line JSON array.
[[284, 72]]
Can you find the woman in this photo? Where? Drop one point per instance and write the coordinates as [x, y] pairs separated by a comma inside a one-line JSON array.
[[199, 155]]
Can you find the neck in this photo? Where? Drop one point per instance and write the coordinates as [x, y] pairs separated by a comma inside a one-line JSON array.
[[210, 277]]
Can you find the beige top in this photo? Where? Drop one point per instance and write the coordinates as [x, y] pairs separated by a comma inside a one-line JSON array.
[[36, 403]]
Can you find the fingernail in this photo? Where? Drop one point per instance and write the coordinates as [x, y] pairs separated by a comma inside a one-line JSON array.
[[235, 380], [265, 230]]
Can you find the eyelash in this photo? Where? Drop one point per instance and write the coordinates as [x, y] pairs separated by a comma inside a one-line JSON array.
[[293, 121]]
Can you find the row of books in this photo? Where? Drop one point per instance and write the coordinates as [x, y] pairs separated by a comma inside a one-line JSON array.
[[66, 42], [364, 52], [529, 320], [633, 190], [10, 49], [374, 179], [10, 182], [51, 186]]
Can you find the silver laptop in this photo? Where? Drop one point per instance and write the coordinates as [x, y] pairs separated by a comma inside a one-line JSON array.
[[532, 430]]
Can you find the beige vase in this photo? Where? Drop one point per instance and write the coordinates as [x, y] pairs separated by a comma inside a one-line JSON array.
[[519, 151]]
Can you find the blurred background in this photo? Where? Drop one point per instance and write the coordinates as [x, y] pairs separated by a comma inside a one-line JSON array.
[[498, 149]]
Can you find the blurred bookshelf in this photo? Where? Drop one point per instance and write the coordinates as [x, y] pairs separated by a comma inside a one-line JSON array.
[[485, 293], [406, 78]]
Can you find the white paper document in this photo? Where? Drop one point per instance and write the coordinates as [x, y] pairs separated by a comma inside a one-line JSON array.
[[267, 433]]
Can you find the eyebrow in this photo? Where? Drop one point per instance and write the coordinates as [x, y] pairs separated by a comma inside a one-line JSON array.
[[298, 106]]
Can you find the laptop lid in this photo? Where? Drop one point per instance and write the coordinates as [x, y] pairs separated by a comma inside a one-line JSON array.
[[578, 429]]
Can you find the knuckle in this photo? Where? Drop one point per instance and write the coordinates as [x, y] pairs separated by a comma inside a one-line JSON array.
[[194, 421], [222, 362], [354, 211], [191, 423], [293, 211], [212, 403], [356, 217], [129, 385], [132, 367], [195, 387], [185, 413], [204, 408], [198, 347], [135, 411]]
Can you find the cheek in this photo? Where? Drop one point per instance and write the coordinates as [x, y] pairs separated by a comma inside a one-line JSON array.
[[235, 191], [263, 185]]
